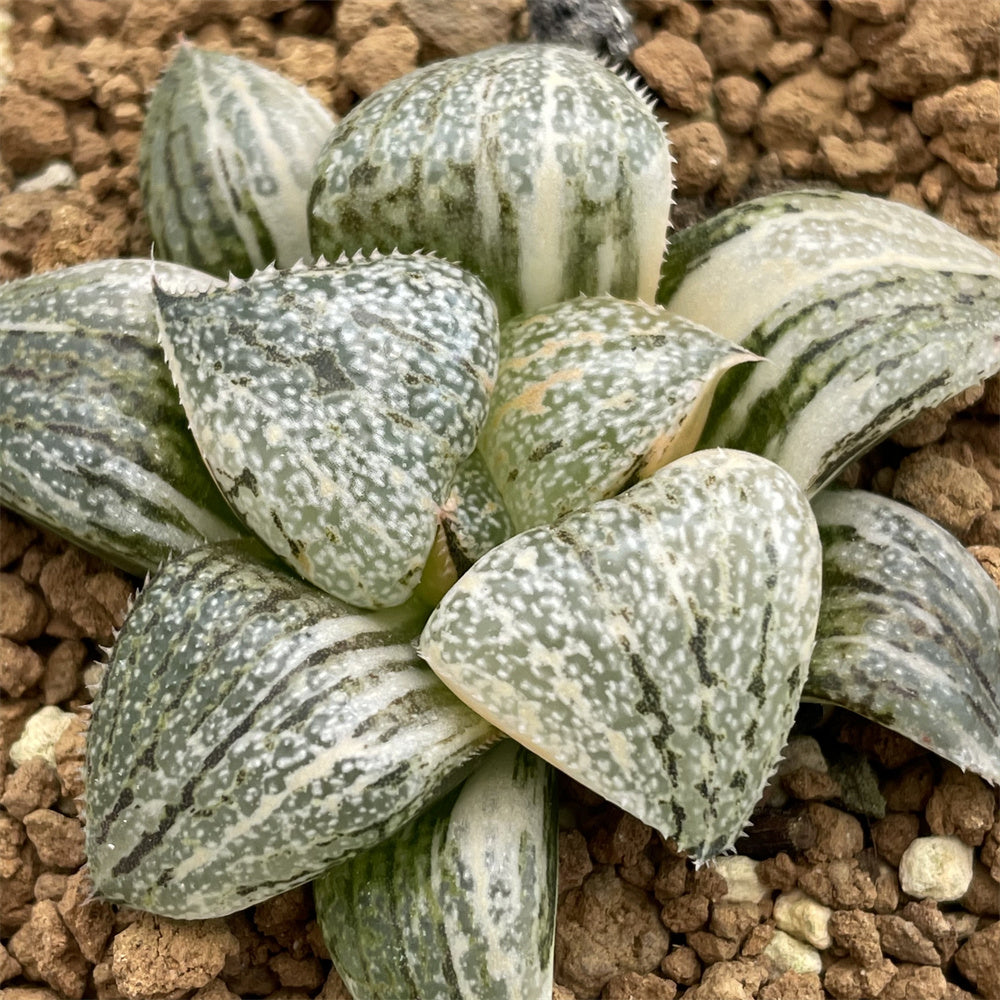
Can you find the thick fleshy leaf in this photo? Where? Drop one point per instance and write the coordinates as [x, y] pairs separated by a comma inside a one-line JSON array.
[[461, 904], [592, 395], [333, 406], [225, 163], [908, 629], [652, 646], [867, 311], [93, 441], [534, 166], [251, 731]]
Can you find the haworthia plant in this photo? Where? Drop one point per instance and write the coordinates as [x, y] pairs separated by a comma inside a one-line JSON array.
[[866, 310], [535, 166], [225, 163], [250, 731], [652, 646], [460, 905], [592, 395], [93, 441], [908, 629], [334, 404]]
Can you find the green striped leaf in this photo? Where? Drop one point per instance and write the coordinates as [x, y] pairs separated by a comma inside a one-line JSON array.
[[93, 441], [534, 166], [251, 731], [334, 404], [908, 629], [867, 311], [652, 646], [225, 163], [460, 905], [592, 395]]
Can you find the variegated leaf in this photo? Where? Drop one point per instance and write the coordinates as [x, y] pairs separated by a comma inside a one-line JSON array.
[[534, 166], [592, 395], [93, 441], [333, 406], [251, 731], [867, 311], [225, 163], [461, 904], [652, 646], [909, 629]]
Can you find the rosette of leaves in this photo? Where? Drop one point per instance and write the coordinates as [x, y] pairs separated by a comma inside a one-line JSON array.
[[665, 603]]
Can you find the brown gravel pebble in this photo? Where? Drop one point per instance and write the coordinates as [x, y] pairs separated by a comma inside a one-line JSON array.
[[839, 834], [90, 920], [857, 931], [682, 965], [737, 980], [57, 838], [793, 986], [840, 884], [574, 860], [47, 952], [962, 804], [606, 927], [676, 70], [847, 979], [931, 922], [893, 833], [623, 844], [34, 785], [977, 960], [632, 986], [23, 614], [902, 939], [379, 57], [943, 489], [157, 955], [21, 668]]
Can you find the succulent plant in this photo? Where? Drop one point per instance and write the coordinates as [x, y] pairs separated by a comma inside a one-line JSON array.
[[427, 530]]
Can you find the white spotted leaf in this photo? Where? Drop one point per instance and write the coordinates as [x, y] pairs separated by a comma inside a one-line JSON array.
[[908, 629], [250, 731], [333, 406], [654, 645], [535, 166], [592, 395]]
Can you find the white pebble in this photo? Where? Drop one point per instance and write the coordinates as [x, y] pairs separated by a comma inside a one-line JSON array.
[[802, 917], [40, 736], [938, 868], [742, 883], [57, 174], [788, 954]]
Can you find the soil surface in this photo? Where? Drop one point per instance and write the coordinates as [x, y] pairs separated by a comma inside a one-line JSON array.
[[894, 97]]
